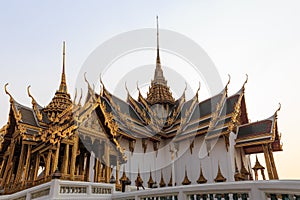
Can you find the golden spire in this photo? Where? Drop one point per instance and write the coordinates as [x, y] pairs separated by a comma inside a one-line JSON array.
[[219, 177], [150, 181], [162, 181], [257, 165], [124, 177], [186, 180], [159, 92], [157, 42], [63, 84], [158, 76], [201, 178], [62, 100]]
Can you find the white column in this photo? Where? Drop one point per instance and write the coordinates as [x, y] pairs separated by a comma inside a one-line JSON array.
[[91, 167], [173, 173]]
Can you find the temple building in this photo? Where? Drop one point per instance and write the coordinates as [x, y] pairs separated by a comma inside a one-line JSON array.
[[152, 141]]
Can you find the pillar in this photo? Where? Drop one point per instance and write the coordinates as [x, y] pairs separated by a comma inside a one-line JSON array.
[[107, 162], [36, 166], [275, 174], [20, 164], [9, 162], [48, 163], [55, 162], [27, 163], [73, 158], [65, 160]]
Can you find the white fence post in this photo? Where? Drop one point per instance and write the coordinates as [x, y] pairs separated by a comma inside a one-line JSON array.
[[255, 193], [54, 189], [181, 195]]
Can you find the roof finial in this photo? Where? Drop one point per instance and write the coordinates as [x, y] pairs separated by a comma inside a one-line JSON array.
[[278, 109], [229, 78], [34, 105], [75, 96], [79, 101], [157, 42], [6, 91], [245, 81], [126, 87], [197, 92], [88, 83], [137, 87], [63, 84]]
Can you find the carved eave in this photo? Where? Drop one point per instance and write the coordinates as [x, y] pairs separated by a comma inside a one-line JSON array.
[[150, 181], [234, 118], [162, 181], [171, 120], [140, 111], [124, 120], [186, 180], [56, 133], [25, 124], [91, 96], [113, 129], [153, 121], [216, 114], [170, 184], [201, 179], [144, 102], [239, 108], [219, 177], [186, 116]]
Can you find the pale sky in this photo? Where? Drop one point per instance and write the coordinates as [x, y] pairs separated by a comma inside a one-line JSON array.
[[258, 38]]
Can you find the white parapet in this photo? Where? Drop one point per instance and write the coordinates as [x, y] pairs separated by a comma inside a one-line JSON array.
[[75, 190]]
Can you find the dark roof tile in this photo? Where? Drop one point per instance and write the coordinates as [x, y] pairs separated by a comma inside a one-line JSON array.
[[255, 128]]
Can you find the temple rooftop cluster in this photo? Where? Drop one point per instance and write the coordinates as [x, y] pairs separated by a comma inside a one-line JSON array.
[[106, 139]]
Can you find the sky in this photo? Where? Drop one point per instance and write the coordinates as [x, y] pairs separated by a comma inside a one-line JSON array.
[[258, 38]]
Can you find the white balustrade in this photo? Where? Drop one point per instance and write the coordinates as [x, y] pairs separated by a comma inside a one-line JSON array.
[[256, 190]]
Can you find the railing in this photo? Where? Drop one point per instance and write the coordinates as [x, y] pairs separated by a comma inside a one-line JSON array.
[[61, 189], [256, 190]]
